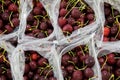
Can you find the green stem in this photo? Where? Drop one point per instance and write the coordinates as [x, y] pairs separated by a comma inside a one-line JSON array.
[[112, 12], [70, 2], [118, 78], [104, 62], [46, 33], [118, 27], [82, 51], [37, 21], [10, 19], [112, 77], [48, 73], [71, 9]]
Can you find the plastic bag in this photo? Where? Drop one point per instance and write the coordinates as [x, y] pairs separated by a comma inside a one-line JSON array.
[[10, 20], [44, 49], [108, 56], [40, 26], [109, 18], [91, 28], [90, 43], [6, 72]]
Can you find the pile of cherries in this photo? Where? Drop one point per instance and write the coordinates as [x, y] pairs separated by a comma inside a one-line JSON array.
[[9, 16], [37, 67], [112, 25], [5, 71], [77, 64], [38, 22], [74, 14], [110, 66]]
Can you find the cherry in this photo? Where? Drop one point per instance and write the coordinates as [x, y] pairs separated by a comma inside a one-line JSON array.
[[70, 69], [34, 56], [63, 4], [8, 28], [118, 63], [90, 61], [113, 30], [1, 23], [42, 62], [88, 72], [90, 16], [43, 26], [13, 7], [117, 72], [106, 31], [107, 11], [101, 60], [105, 39], [63, 12], [65, 59], [75, 13], [5, 16], [77, 75], [15, 21], [105, 75], [111, 59], [30, 17], [33, 65], [52, 78], [37, 11], [67, 28], [62, 21], [27, 68], [2, 77]]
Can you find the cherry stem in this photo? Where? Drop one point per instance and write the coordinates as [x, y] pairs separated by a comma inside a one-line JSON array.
[[44, 69], [71, 8], [2, 5], [76, 66], [92, 77], [112, 77], [37, 21], [13, 1], [46, 33], [70, 2], [118, 78], [112, 12], [3, 72], [5, 69], [72, 53], [104, 62], [86, 48], [4, 32], [10, 19], [118, 27], [82, 50], [48, 73]]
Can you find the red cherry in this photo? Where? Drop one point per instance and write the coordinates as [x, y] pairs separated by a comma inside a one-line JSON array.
[[105, 39], [106, 31], [68, 28], [62, 21], [34, 56], [13, 7], [111, 58], [63, 12]]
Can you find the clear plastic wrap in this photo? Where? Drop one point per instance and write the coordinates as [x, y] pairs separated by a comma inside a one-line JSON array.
[[90, 42], [27, 10], [109, 57], [107, 31], [6, 72], [11, 18], [45, 49], [87, 30]]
